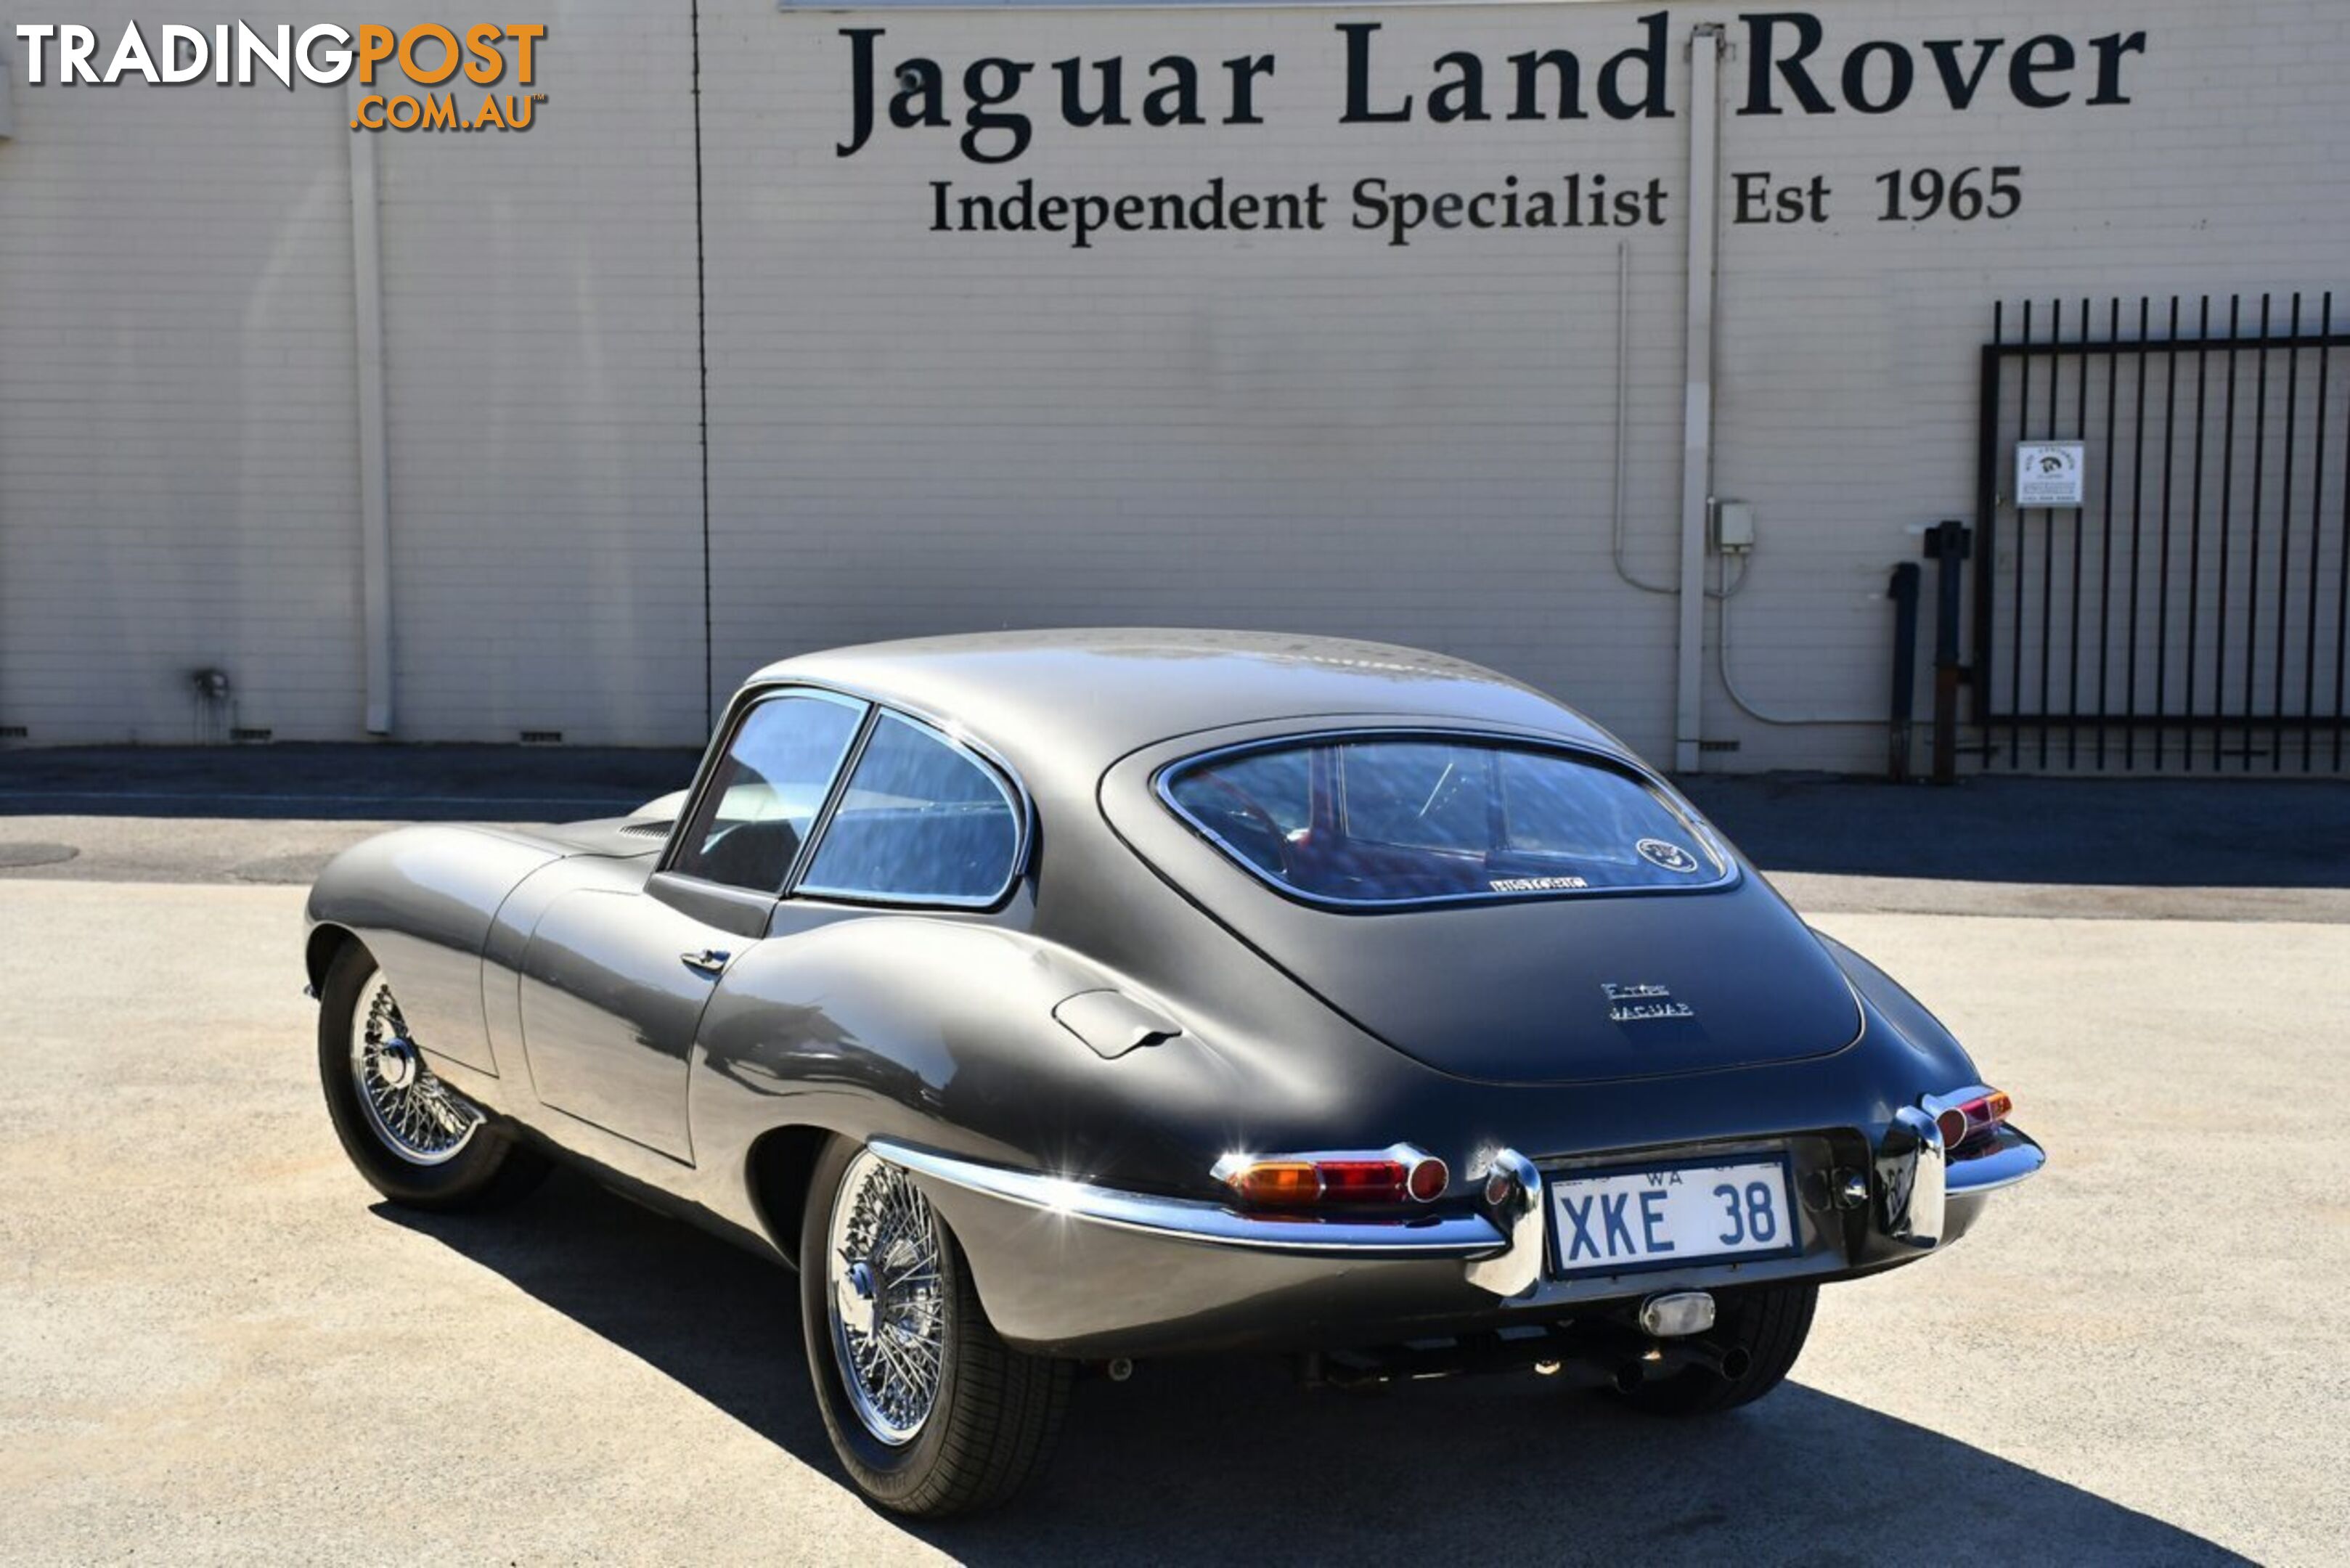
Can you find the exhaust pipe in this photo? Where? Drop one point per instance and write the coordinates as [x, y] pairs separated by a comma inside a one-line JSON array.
[[1728, 1362]]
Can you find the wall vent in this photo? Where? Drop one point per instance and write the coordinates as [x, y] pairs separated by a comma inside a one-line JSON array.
[[249, 733], [542, 737], [12, 731]]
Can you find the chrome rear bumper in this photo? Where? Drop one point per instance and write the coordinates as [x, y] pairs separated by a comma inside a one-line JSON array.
[[2011, 1159], [1928, 1194], [1188, 1219], [1071, 1268]]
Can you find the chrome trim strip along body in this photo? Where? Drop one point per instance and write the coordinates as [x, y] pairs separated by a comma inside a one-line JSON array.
[[2011, 1157], [1161, 785], [1466, 1236]]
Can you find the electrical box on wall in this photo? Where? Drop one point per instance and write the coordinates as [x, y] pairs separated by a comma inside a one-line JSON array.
[[1734, 526]]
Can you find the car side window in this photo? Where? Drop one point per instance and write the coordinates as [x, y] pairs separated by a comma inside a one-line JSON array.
[[922, 821], [770, 784]]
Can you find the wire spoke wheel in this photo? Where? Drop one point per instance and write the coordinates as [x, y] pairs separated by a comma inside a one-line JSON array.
[[886, 1299], [416, 1115]]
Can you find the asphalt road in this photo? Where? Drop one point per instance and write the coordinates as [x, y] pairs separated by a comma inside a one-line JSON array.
[[2193, 846], [217, 1346]]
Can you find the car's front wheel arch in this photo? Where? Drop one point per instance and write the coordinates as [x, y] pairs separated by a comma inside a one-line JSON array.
[[413, 1139], [327, 941]]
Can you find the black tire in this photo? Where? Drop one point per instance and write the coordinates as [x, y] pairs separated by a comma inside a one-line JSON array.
[[996, 1411], [490, 1170], [1768, 1324]]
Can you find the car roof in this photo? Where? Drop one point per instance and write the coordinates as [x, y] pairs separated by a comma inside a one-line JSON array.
[[1084, 698]]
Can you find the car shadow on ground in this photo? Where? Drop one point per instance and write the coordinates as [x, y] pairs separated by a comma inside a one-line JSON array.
[[1223, 1461]]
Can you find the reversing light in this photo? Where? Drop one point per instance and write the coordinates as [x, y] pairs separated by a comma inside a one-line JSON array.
[[1388, 1175]]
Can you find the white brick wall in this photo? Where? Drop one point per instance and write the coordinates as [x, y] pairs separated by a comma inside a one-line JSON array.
[[176, 433], [1848, 377], [543, 412], [1311, 431], [914, 432]]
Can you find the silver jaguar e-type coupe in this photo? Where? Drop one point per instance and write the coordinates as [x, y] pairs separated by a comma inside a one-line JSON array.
[[1051, 1000]]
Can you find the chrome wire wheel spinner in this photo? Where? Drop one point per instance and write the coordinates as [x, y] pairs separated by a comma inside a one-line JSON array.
[[887, 1298], [416, 1115]]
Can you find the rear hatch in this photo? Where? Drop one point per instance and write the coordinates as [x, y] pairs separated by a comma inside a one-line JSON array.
[[1555, 970], [1568, 991]]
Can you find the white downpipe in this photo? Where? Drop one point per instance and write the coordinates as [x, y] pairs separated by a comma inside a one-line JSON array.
[[375, 503], [1697, 414], [1623, 426]]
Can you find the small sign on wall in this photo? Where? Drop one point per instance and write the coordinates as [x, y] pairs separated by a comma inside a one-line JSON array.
[[2048, 473]]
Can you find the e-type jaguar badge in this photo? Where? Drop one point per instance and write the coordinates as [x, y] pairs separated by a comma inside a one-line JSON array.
[[1634, 1003]]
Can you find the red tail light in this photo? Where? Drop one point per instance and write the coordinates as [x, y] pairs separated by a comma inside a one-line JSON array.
[[1426, 1181], [1963, 1121], [1294, 1180]]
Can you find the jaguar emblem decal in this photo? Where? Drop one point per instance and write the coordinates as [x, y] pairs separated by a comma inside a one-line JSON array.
[[1637, 1003]]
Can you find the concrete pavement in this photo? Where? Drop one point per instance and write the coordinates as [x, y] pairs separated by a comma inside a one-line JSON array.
[[216, 1345]]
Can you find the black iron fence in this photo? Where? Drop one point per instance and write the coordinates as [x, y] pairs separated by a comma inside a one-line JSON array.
[[2184, 606]]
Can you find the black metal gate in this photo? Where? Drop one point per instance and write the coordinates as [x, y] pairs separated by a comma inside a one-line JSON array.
[[2189, 613]]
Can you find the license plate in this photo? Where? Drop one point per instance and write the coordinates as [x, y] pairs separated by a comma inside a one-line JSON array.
[[1673, 1213]]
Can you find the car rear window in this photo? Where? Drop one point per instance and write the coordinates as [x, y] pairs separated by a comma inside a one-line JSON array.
[[1392, 820]]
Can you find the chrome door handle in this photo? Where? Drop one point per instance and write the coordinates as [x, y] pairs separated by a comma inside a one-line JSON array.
[[709, 961]]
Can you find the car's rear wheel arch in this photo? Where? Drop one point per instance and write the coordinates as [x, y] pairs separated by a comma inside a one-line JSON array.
[[778, 1169], [992, 1412]]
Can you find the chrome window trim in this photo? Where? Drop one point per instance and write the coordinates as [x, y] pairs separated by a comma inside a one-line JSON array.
[[1006, 783], [1731, 876], [834, 793], [737, 714]]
